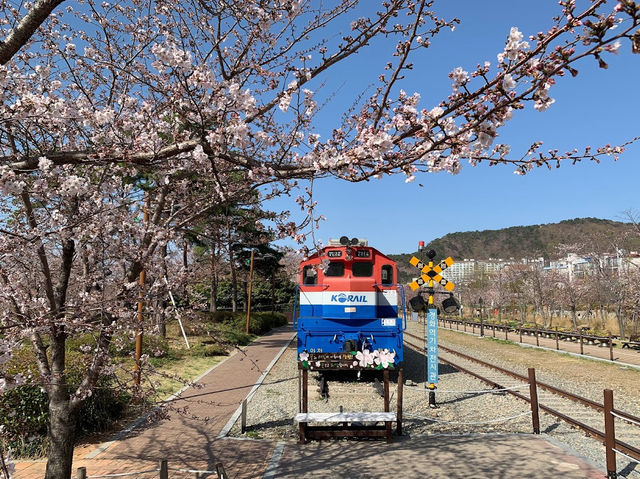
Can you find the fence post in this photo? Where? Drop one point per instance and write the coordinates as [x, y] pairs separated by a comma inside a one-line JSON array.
[[164, 469], [609, 434], [506, 332], [81, 473], [537, 333], [610, 347], [520, 328], [482, 327], [557, 340], [399, 405], [533, 394], [494, 330], [581, 343]]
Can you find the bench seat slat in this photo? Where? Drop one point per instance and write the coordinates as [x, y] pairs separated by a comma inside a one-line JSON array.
[[332, 417]]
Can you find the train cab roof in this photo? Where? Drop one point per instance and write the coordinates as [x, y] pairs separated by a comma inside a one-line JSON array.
[[352, 260]]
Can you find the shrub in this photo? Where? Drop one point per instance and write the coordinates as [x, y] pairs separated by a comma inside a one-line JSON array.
[[207, 350], [24, 410], [155, 346], [24, 417]]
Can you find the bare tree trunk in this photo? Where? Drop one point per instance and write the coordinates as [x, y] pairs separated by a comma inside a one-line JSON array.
[[161, 301], [214, 281], [185, 264], [232, 267], [574, 319], [620, 321], [61, 434], [62, 417]]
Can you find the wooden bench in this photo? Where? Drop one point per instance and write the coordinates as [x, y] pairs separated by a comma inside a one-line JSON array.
[[632, 342], [345, 424], [349, 424]]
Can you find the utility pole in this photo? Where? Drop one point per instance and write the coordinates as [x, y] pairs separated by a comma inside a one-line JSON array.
[[141, 282], [249, 293]]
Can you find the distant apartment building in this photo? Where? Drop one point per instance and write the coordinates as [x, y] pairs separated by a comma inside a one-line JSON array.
[[468, 269], [572, 265], [575, 266]]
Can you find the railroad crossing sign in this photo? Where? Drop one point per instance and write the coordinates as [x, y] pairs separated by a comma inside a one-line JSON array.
[[431, 273]]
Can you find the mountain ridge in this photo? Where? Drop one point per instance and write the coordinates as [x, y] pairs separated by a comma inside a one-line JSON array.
[[532, 241]]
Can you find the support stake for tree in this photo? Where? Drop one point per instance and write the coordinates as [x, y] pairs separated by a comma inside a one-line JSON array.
[[81, 473]]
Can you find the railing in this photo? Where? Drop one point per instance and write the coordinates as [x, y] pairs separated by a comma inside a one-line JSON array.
[[162, 470], [579, 337]]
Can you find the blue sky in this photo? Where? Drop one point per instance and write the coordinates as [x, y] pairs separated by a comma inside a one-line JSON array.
[[596, 108]]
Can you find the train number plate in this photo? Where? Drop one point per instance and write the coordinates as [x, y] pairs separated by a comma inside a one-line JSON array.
[[388, 321]]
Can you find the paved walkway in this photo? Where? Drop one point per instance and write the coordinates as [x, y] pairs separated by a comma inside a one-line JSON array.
[[187, 439], [512, 456]]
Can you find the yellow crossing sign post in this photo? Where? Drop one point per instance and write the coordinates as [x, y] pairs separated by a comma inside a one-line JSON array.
[[431, 273]]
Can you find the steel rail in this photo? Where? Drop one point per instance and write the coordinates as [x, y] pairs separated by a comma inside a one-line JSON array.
[[625, 447], [574, 397]]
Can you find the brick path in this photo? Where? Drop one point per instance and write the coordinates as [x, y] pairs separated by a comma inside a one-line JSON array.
[[186, 442]]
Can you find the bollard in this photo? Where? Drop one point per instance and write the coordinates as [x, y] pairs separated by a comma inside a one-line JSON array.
[[537, 335], [557, 340], [494, 330], [609, 434], [520, 328], [164, 469], [533, 393], [243, 422], [222, 474], [81, 473], [581, 343], [506, 333]]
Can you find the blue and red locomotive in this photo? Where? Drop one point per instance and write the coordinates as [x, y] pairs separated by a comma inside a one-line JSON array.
[[348, 308]]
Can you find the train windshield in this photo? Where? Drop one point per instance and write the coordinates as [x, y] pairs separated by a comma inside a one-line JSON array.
[[309, 275], [362, 268], [387, 274], [335, 268]]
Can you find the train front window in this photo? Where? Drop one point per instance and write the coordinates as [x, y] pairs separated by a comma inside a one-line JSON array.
[[309, 275], [335, 268], [387, 274], [362, 268]]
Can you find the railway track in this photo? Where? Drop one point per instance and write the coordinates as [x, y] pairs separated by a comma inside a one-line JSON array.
[[580, 412]]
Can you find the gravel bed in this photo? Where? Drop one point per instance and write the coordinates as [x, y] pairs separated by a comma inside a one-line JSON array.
[[272, 408]]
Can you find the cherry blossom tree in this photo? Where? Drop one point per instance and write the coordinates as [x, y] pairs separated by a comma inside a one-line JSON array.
[[188, 106]]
